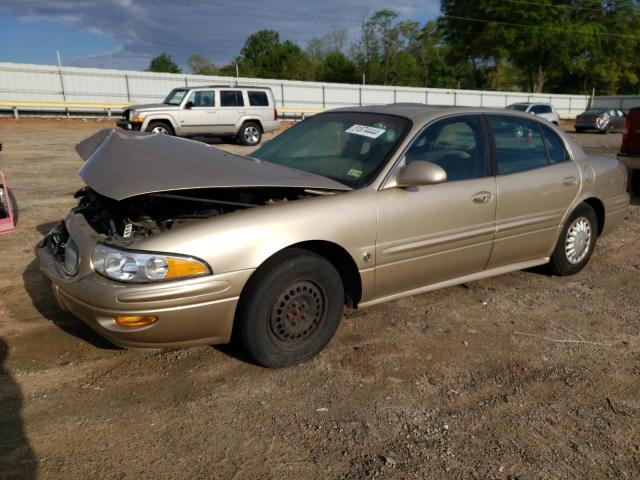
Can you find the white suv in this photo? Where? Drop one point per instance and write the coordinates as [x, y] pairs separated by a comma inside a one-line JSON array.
[[232, 112], [544, 110]]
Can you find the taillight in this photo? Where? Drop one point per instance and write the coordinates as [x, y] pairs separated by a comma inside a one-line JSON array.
[[627, 127], [275, 113]]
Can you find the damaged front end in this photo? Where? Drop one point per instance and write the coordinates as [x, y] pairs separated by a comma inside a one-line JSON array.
[[126, 222]]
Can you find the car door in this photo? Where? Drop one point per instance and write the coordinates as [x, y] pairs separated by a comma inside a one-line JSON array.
[[536, 183], [430, 234], [231, 109], [199, 114]]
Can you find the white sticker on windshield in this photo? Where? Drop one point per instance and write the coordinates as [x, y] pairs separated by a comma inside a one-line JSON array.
[[371, 132]]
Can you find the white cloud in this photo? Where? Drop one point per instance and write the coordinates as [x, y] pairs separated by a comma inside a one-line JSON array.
[[216, 29]]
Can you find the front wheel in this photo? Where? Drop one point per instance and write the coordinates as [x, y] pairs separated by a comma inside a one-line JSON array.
[[576, 242], [250, 134], [290, 309], [161, 128]]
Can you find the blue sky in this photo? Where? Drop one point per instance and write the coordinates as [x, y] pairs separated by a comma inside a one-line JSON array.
[[126, 34]]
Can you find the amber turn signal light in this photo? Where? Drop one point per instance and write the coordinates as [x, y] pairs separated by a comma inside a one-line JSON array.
[[135, 320]]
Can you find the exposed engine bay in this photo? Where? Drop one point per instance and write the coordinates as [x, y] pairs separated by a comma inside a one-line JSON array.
[[128, 221]]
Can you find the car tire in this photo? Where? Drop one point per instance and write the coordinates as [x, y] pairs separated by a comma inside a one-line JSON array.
[[160, 127], [634, 182], [250, 134], [290, 309], [576, 243]]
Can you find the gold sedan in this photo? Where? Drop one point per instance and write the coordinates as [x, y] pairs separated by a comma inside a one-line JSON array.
[[175, 243]]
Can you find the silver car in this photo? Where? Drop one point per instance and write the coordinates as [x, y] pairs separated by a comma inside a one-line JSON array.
[[544, 110], [231, 112]]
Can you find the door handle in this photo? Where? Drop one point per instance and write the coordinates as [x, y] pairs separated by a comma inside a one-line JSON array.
[[570, 182], [482, 197]]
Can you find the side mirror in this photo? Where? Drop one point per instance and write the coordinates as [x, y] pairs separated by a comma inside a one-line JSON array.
[[419, 173], [188, 105]]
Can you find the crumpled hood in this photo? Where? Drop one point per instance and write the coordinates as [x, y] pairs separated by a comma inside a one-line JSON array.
[[121, 164]]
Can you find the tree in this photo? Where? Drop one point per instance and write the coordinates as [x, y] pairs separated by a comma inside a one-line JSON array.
[[336, 67], [264, 55], [163, 63], [201, 66], [552, 42]]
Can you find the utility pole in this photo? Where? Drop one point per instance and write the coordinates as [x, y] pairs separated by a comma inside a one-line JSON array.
[[237, 74], [64, 95], [363, 78]]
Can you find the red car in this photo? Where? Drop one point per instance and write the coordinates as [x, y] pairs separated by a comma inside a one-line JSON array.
[[8, 207], [630, 148]]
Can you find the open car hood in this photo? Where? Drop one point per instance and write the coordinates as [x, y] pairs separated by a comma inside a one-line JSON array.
[[121, 164]]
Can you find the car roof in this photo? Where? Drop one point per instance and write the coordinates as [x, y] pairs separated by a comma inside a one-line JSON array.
[[193, 87], [424, 113], [531, 103]]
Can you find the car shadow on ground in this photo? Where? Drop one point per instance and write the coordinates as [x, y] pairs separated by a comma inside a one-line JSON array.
[[42, 299], [17, 458]]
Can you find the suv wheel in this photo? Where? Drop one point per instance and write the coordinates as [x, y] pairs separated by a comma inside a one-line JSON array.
[[634, 181], [160, 127], [250, 134], [576, 242], [290, 309]]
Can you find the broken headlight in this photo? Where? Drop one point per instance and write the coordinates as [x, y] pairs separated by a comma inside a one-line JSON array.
[[143, 267]]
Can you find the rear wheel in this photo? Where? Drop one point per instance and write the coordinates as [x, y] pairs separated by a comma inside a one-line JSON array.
[[634, 182], [250, 134], [576, 242], [161, 128], [290, 309]]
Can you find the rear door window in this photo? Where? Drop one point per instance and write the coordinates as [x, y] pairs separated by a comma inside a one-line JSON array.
[[518, 144], [231, 98], [556, 150], [258, 98]]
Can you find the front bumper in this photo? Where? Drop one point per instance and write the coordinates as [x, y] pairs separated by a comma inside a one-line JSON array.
[[589, 124], [198, 311], [127, 125]]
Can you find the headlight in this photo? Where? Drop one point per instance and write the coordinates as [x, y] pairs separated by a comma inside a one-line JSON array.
[[71, 258], [140, 267]]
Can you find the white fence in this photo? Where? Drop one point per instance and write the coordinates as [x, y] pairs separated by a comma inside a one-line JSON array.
[[622, 102], [43, 83]]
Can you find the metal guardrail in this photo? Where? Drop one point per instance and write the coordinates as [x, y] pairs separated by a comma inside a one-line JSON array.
[[16, 105]]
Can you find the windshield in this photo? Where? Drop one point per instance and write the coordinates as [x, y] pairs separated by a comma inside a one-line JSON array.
[[521, 107], [175, 96], [348, 147]]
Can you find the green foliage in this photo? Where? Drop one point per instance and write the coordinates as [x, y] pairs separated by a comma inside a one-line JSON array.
[[265, 56], [563, 46], [163, 63], [336, 67]]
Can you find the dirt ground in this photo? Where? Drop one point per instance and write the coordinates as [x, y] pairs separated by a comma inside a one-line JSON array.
[[514, 377]]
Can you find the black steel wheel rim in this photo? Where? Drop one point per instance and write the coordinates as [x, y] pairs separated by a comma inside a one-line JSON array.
[[298, 312]]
